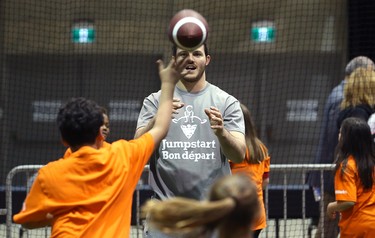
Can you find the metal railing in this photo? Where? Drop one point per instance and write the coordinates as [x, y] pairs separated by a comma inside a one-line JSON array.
[[8, 191], [285, 169], [303, 169]]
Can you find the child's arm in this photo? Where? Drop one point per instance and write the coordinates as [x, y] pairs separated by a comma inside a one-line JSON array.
[[265, 182], [338, 206], [169, 76], [33, 213], [177, 104], [39, 224]]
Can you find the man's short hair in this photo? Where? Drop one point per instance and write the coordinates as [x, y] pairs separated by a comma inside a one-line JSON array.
[[357, 62], [79, 121]]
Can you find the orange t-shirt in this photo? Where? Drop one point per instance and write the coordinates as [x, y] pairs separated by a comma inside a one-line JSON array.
[[90, 192], [359, 220], [255, 173], [68, 151]]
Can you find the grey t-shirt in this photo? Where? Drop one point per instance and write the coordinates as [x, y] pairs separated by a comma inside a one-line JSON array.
[[189, 158]]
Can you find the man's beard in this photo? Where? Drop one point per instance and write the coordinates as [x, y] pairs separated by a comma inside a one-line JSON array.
[[196, 78]]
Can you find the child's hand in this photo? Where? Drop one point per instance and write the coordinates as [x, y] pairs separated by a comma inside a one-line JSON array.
[[171, 73]]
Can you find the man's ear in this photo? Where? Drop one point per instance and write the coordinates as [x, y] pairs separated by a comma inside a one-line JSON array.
[[208, 59]]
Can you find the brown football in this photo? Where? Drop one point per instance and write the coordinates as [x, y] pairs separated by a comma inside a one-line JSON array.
[[188, 29]]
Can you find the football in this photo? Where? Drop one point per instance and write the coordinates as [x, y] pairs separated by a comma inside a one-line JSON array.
[[188, 29]]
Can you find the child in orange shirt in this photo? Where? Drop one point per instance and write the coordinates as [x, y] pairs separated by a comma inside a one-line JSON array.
[[89, 193], [255, 165], [354, 180]]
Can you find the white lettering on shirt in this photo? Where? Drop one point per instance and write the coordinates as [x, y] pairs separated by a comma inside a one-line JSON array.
[[188, 150], [185, 145], [341, 192]]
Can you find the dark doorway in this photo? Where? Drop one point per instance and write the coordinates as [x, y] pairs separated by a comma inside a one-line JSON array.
[[361, 28]]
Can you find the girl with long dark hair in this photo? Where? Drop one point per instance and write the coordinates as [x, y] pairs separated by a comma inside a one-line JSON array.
[[354, 180]]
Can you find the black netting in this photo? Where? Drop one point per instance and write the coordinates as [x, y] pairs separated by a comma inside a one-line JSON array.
[[284, 82]]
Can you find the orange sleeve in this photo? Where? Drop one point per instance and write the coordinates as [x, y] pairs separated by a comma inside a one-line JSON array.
[[139, 151], [345, 183], [266, 162], [142, 147], [33, 209], [68, 152]]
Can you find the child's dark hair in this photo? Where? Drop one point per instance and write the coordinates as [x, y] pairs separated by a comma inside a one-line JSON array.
[[356, 140], [79, 121]]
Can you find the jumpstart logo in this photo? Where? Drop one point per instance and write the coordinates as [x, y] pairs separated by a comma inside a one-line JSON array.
[[189, 150], [190, 121]]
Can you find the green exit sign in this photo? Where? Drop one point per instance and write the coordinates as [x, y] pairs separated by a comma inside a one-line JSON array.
[[263, 34], [83, 34]]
